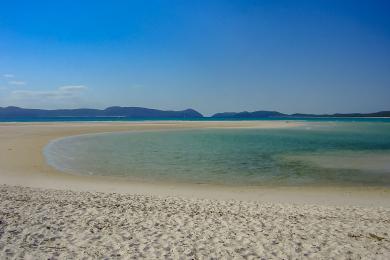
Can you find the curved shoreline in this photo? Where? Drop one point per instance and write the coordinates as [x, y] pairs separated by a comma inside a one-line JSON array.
[[23, 164]]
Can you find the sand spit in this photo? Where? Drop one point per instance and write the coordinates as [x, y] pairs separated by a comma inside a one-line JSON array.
[[22, 164], [42, 223]]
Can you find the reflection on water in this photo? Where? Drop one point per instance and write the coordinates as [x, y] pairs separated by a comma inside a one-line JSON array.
[[331, 153]]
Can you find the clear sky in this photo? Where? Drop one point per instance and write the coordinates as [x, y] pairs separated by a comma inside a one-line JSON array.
[[290, 56]]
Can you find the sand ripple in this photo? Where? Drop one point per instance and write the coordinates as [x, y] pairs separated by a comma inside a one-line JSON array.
[[37, 223]]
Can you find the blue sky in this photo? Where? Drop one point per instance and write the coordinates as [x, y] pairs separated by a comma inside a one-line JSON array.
[[291, 56]]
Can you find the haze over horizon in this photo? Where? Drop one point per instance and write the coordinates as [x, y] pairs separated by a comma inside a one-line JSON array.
[[213, 56]]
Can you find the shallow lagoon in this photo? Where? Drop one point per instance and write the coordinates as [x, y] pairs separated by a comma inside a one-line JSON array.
[[318, 153]]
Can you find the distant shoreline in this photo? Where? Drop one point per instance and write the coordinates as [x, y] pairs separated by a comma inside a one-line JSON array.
[[74, 119]]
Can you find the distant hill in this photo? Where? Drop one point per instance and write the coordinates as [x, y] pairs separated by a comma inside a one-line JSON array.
[[274, 114], [148, 113], [376, 114], [126, 112]]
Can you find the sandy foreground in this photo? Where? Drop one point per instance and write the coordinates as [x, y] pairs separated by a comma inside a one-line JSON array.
[[48, 214], [42, 223]]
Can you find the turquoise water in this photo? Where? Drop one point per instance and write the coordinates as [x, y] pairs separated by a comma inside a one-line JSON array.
[[318, 153]]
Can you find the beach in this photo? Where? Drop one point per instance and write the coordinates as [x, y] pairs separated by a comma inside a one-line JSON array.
[[45, 213], [39, 224]]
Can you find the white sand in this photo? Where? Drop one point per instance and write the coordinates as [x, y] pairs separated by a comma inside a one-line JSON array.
[[84, 218], [43, 224]]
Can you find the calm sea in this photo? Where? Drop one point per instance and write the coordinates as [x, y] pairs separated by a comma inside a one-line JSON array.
[[349, 152], [119, 119]]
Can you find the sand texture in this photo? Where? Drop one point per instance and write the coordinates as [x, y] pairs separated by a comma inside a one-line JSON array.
[[43, 223]]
